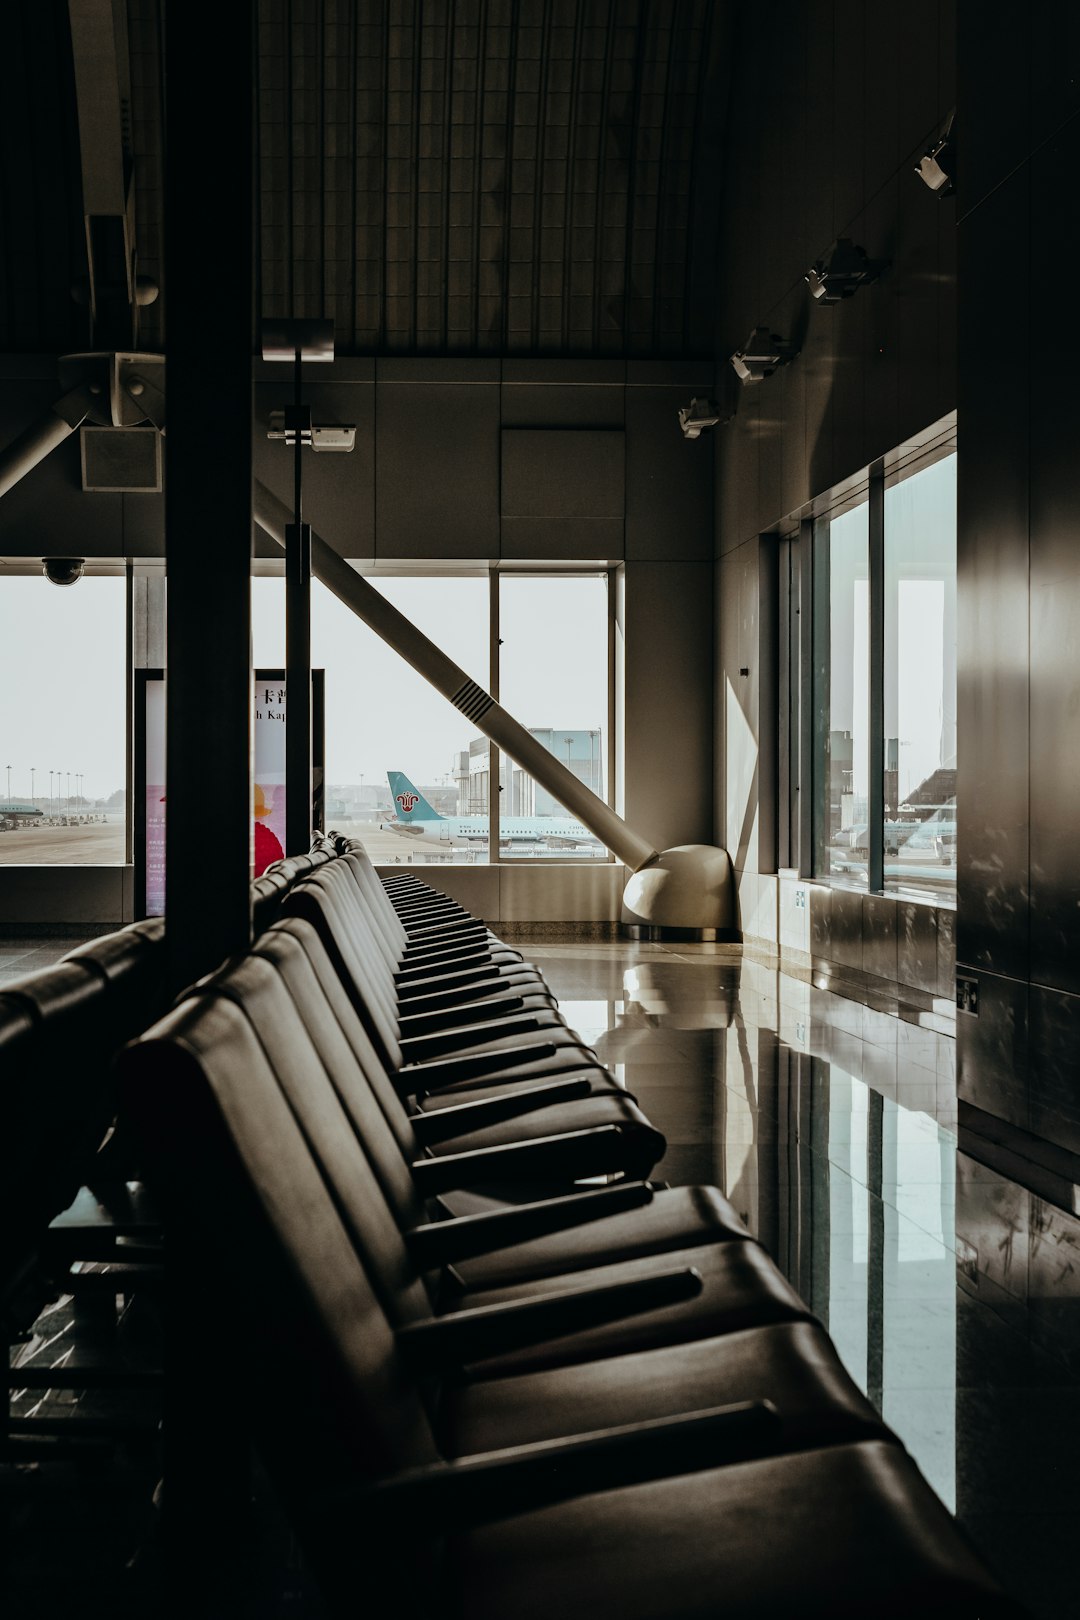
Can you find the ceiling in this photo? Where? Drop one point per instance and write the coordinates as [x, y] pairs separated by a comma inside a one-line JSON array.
[[471, 177]]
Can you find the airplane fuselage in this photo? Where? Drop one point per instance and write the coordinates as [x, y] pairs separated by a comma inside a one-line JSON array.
[[512, 830]]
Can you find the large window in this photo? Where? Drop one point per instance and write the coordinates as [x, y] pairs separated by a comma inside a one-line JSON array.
[[404, 769], [63, 771], [872, 605]]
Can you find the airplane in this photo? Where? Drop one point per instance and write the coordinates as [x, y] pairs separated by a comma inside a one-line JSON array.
[[416, 818], [13, 813]]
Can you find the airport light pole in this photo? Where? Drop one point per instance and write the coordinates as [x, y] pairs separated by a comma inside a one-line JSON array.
[[9, 784], [31, 784]]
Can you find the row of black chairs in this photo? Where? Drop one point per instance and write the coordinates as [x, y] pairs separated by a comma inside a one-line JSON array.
[[499, 1371], [75, 1215]]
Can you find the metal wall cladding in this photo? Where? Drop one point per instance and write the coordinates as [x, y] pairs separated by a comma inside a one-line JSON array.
[[1055, 596], [1019, 583], [992, 600]]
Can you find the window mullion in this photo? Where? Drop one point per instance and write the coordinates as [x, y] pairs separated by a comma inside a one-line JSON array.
[[494, 757]]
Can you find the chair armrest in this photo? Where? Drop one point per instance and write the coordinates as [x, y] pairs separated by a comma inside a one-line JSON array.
[[431, 936], [419, 997], [423, 1046], [456, 1120], [600, 1150], [429, 1079], [432, 1020], [444, 1243], [444, 1344], [408, 981], [473, 962], [498, 1484]]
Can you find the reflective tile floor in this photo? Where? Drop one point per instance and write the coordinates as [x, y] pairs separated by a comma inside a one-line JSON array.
[[19, 957], [952, 1294]]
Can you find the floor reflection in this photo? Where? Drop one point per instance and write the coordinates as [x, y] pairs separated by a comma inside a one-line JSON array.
[[952, 1294]]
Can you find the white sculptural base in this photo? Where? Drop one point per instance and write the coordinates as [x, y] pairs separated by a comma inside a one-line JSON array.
[[687, 892]]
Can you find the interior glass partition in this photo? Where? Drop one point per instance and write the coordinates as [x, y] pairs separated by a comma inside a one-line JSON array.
[[841, 698]]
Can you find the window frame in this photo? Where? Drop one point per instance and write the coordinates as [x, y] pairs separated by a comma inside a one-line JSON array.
[[494, 573], [804, 627]]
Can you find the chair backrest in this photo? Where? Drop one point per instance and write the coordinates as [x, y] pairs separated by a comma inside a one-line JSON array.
[[298, 953], [22, 1209], [330, 1398], [338, 1121], [132, 963], [388, 941], [367, 879], [57, 1046], [318, 905]]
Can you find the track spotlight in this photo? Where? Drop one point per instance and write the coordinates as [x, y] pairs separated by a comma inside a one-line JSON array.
[[762, 354], [843, 270], [701, 414], [937, 169]]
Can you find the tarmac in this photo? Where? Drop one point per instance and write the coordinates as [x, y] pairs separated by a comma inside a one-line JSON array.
[[99, 844]]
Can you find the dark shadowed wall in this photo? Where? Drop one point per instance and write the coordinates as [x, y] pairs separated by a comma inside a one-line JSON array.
[[1019, 568], [834, 103]]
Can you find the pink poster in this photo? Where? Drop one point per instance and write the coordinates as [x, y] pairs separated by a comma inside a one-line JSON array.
[[269, 806], [268, 794]]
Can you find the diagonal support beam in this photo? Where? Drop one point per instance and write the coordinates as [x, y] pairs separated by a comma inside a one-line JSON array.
[[451, 680]]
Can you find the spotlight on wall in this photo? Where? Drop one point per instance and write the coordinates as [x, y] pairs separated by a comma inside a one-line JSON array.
[[843, 270], [762, 354], [937, 169], [701, 414]]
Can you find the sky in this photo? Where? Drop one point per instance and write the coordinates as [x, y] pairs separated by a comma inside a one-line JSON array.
[[381, 715], [62, 684], [62, 673]]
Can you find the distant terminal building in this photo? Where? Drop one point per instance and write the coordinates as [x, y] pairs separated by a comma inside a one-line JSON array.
[[582, 752]]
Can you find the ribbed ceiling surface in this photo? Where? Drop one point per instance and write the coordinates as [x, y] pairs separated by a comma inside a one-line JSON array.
[[491, 176], [476, 177]]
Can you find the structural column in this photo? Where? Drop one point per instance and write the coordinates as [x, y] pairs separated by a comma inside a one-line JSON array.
[[208, 288], [208, 258]]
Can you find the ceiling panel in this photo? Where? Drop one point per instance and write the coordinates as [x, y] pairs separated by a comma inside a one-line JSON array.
[[529, 177]]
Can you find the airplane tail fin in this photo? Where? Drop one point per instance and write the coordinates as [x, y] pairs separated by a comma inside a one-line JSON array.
[[409, 804]]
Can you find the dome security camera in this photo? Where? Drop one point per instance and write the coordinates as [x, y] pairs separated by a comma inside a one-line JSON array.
[[63, 570]]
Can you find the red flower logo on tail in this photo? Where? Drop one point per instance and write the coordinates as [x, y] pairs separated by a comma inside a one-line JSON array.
[[407, 800]]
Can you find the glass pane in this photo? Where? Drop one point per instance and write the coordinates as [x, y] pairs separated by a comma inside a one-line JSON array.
[[64, 781], [842, 696], [920, 682], [553, 679], [397, 753]]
